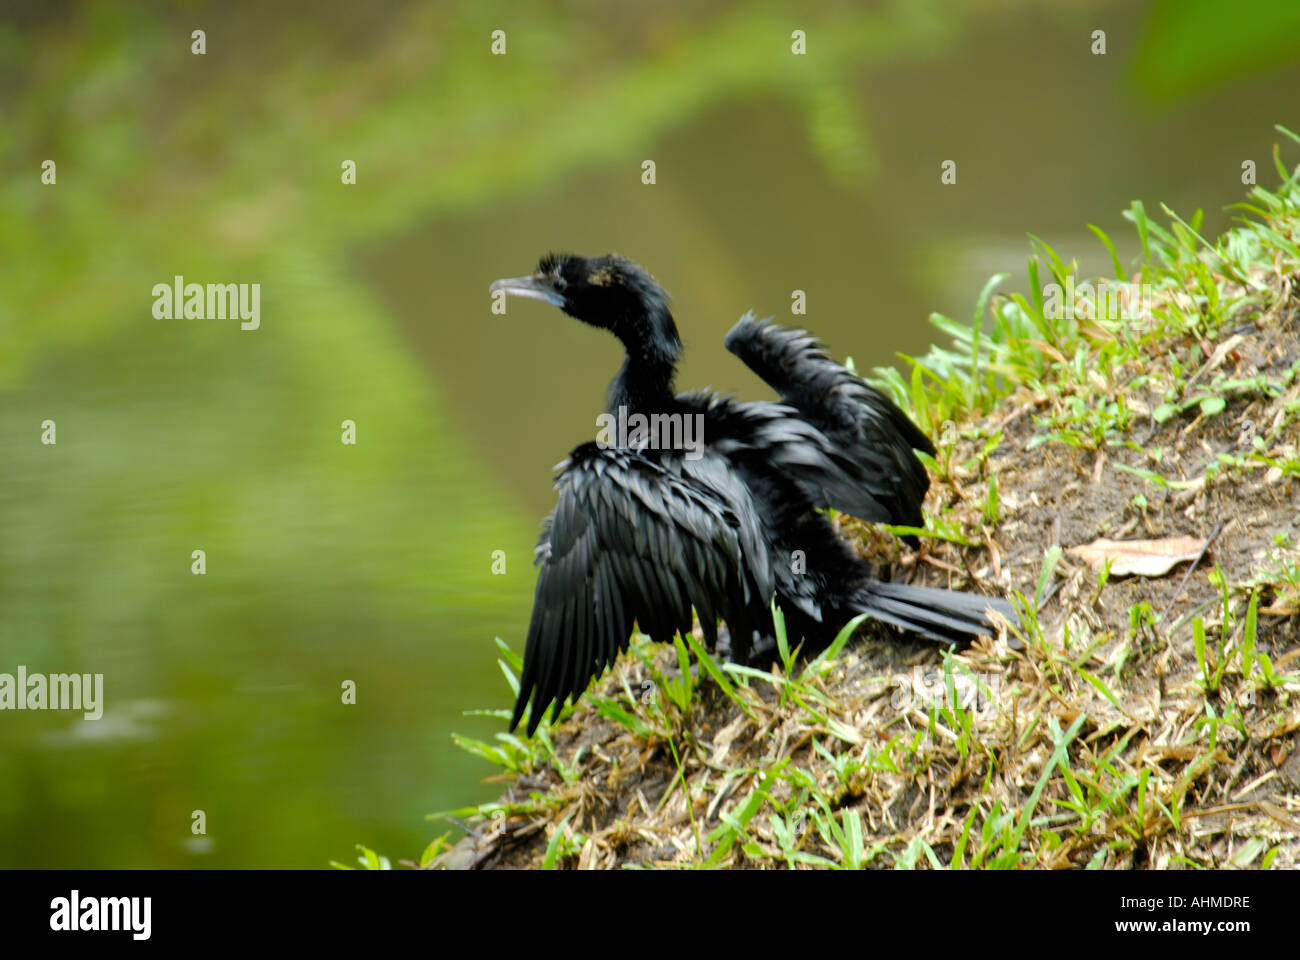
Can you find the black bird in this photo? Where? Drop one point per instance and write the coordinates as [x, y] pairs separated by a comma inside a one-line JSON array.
[[651, 525]]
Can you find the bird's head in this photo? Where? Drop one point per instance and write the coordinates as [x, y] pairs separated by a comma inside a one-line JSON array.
[[609, 291]]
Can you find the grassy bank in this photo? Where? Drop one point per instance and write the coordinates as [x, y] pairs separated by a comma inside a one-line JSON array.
[[1131, 719]]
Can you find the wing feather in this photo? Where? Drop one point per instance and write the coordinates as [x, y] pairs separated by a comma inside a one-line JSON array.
[[634, 538], [867, 467]]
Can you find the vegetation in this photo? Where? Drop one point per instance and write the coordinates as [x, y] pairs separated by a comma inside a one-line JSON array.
[[1108, 728]]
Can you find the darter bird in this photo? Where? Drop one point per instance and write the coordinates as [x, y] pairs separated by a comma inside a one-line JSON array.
[[712, 505]]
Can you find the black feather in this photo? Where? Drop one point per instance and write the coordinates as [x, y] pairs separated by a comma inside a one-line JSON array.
[[644, 535]]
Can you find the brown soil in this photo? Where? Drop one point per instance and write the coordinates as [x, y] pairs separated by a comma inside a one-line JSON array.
[[628, 800]]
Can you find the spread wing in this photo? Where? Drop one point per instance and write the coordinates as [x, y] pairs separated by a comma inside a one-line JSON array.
[[873, 473], [636, 539]]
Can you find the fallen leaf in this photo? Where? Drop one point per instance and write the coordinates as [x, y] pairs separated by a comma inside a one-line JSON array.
[[1145, 558], [1216, 359], [731, 731]]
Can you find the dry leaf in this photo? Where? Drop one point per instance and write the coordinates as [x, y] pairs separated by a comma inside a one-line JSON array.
[[1220, 354], [1145, 558]]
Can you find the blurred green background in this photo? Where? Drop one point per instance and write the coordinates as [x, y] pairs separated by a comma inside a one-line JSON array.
[[372, 563]]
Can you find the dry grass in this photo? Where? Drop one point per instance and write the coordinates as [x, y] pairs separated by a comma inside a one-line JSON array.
[[1125, 722]]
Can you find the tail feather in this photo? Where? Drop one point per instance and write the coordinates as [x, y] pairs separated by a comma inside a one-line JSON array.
[[947, 616]]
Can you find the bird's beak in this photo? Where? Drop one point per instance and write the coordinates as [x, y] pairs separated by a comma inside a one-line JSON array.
[[533, 288]]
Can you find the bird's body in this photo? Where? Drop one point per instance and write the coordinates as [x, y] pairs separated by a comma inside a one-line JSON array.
[[646, 530]]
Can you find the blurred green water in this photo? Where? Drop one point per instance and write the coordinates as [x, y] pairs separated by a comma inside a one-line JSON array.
[[371, 563]]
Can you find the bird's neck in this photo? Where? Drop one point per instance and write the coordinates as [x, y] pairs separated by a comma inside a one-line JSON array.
[[644, 384]]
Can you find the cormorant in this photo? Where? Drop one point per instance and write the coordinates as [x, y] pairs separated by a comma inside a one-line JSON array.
[[649, 526]]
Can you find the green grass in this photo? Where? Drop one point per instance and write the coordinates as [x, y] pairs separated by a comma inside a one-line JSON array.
[[1058, 770]]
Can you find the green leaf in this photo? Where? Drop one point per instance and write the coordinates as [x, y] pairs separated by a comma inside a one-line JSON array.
[[1138, 214], [813, 668], [1212, 406], [432, 850], [710, 666], [1050, 561], [1247, 853], [1114, 257], [1059, 757], [553, 845]]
